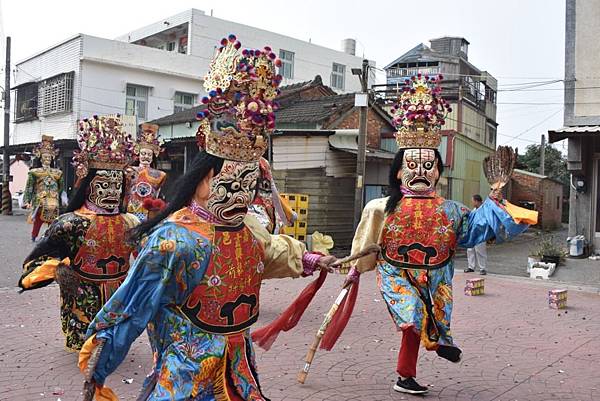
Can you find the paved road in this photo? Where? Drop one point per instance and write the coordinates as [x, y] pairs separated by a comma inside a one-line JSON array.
[[516, 348]]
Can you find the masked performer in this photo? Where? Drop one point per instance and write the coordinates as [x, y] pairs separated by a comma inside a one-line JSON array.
[[42, 192], [85, 249], [144, 181], [419, 232], [195, 284]]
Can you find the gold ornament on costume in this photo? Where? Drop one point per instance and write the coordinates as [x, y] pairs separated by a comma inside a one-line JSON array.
[[103, 144], [148, 138], [420, 113], [45, 147], [240, 107]]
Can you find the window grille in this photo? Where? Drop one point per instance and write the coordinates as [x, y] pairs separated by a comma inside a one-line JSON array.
[[55, 95]]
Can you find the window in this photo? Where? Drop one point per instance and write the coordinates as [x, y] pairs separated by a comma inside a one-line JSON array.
[[287, 64], [56, 94], [491, 136], [337, 76], [389, 144], [170, 46], [27, 101], [183, 45], [557, 202], [183, 101], [136, 103]]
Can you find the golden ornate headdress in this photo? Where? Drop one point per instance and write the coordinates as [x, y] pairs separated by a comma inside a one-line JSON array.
[[240, 108], [103, 144], [45, 147], [148, 138], [420, 113]]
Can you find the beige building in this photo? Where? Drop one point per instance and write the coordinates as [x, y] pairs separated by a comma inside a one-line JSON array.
[[582, 117]]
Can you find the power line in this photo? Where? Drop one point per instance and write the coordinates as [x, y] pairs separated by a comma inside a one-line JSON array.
[[532, 127]]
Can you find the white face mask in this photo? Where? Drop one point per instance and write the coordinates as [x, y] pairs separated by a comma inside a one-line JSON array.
[[232, 191], [106, 188], [419, 171], [46, 160], [146, 156]]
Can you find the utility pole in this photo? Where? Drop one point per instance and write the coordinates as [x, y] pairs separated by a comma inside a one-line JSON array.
[[6, 198], [361, 100], [543, 155]]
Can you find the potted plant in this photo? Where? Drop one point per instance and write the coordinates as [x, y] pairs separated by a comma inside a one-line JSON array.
[[549, 251]]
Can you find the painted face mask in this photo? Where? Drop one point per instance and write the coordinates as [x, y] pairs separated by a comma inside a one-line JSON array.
[[106, 188], [46, 160], [232, 191], [419, 172], [146, 156]]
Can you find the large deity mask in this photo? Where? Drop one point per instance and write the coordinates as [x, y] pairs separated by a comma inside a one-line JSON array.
[[46, 159], [232, 191], [146, 156], [419, 172], [106, 188]]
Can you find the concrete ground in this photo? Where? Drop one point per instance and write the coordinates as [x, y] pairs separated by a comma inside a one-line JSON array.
[[515, 347]]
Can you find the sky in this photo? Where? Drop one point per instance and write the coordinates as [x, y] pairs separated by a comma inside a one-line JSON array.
[[520, 42]]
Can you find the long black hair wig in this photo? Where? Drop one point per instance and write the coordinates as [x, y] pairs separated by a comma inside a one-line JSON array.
[[182, 191], [395, 182]]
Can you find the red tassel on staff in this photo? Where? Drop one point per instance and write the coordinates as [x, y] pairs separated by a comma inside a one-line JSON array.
[[340, 319], [266, 336]]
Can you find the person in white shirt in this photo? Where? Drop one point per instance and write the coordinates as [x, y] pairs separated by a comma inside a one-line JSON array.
[[477, 256]]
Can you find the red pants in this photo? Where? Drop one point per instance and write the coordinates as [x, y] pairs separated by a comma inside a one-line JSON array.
[[409, 352], [37, 225]]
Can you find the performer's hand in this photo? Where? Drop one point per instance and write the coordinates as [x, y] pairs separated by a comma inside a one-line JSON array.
[[325, 263], [27, 205], [496, 194]]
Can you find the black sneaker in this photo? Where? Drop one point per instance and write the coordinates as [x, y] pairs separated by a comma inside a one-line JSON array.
[[468, 270], [453, 354], [409, 386], [483, 272]]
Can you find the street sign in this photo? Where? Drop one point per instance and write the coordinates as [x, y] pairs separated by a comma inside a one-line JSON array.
[[360, 100]]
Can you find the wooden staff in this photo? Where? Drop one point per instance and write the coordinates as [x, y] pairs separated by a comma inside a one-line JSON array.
[[89, 386], [310, 355]]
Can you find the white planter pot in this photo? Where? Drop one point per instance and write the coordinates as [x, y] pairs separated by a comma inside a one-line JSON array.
[[542, 270], [531, 260]]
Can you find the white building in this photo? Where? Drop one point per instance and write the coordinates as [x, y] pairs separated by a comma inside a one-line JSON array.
[[150, 73]]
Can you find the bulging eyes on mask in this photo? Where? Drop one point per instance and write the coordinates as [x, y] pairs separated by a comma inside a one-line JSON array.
[[232, 191], [106, 188], [146, 156], [419, 172]]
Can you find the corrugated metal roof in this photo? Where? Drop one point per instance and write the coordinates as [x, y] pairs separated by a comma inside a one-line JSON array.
[[346, 140], [579, 129], [569, 132]]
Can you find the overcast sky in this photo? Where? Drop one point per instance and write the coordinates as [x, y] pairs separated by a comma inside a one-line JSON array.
[[517, 41]]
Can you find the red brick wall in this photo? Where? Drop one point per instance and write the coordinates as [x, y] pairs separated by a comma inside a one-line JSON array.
[[543, 192], [375, 125]]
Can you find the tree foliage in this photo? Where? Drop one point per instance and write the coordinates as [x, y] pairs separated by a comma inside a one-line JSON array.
[[555, 165]]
